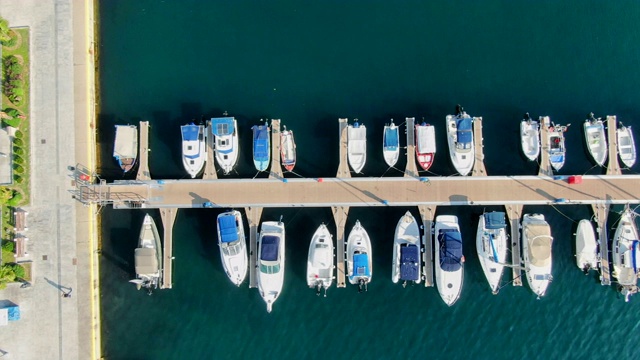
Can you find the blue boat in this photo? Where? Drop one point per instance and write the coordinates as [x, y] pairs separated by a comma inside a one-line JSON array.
[[261, 147], [359, 264]]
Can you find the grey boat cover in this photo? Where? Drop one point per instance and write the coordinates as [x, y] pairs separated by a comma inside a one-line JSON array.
[[269, 245], [539, 237], [126, 144], [494, 220], [409, 262], [450, 250], [146, 261]]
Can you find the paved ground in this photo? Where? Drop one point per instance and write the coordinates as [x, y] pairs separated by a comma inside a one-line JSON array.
[[52, 326], [5, 157]]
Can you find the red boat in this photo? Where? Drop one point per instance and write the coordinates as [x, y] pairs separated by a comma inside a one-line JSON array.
[[425, 145]]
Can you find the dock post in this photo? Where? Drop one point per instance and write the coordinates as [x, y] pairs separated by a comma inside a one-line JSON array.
[[276, 167], [209, 165], [340, 214], [427, 213], [478, 163], [253, 217], [514, 212], [411, 170], [168, 216], [545, 163], [600, 212], [343, 165], [613, 167], [143, 152]]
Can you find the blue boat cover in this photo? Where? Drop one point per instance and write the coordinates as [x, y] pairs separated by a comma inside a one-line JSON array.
[[260, 143], [190, 132], [464, 130], [361, 265], [494, 220], [228, 230], [269, 245], [222, 126], [391, 138], [450, 250], [634, 252], [409, 263]]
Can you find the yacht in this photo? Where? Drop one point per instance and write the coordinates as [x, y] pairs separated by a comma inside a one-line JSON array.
[[194, 148], [359, 263], [626, 145], [261, 147], [536, 248], [287, 149], [125, 146], [556, 145], [271, 261], [233, 246], [406, 251], [460, 139], [596, 139], [530, 137], [491, 245], [448, 258], [586, 247], [225, 133], [320, 261], [425, 144], [148, 256], [626, 256], [357, 146], [391, 144]]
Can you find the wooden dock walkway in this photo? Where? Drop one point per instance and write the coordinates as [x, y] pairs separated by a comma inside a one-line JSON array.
[[253, 217], [514, 214], [427, 213], [143, 152], [343, 165], [613, 167], [340, 214], [210, 165], [545, 163], [601, 212], [276, 167], [478, 163], [411, 169], [168, 216]]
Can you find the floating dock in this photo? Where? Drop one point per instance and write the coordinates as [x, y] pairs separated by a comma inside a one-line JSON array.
[[478, 163], [427, 213], [276, 167], [601, 212], [613, 167], [253, 217], [210, 166], [168, 216], [514, 213], [412, 169], [143, 152]]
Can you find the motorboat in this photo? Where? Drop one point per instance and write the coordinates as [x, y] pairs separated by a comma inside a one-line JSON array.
[[596, 139], [148, 256], [491, 245], [587, 257], [320, 263], [406, 251], [359, 262], [125, 146], [225, 133], [460, 139], [448, 258], [626, 254], [556, 145], [287, 149], [536, 248], [626, 145], [425, 144], [530, 137], [391, 144], [271, 261], [233, 246], [357, 146], [194, 148], [261, 147]]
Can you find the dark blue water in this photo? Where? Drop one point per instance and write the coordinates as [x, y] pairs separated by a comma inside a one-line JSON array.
[[309, 63]]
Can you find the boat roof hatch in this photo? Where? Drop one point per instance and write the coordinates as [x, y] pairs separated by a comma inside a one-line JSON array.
[[361, 265], [391, 138], [269, 245], [228, 230], [222, 126]]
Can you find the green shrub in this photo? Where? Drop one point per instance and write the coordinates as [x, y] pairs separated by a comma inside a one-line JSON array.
[[19, 134], [18, 179], [16, 83], [14, 113], [18, 270], [18, 168], [16, 100], [15, 200], [18, 142], [8, 245], [14, 69], [10, 42], [9, 60], [13, 123], [18, 160], [18, 151], [18, 91]]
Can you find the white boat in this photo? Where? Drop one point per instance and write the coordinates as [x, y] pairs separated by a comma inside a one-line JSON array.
[[359, 262], [406, 251], [491, 245], [448, 258], [626, 145], [586, 247], [271, 261], [425, 144], [357, 146], [233, 246], [460, 139], [125, 146], [194, 148], [391, 144], [556, 145], [536, 248], [530, 137], [287, 149], [596, 139], [320, 262], [225, 133], [626, 254], [148, 256]]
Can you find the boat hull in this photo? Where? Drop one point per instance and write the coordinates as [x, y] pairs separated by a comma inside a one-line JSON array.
[[449, 283], [358, 242], [288, 150], [530, 139], [270, 273], [226, 149], [390, 144], [491, 246], [125, 147], [194, 152], [586, 246], [357, 147], [407, 234], [536, 236], [557, 149], [596, 140], [261, 147], [462, 155], [148, 255], [626, 146], [233, 255], [625, 250], [320, 261]]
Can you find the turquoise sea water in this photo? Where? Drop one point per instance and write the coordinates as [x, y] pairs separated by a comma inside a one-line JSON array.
[[309, 63]]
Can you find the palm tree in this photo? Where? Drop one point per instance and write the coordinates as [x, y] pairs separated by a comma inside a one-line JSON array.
[[4, 30], [7, 275]]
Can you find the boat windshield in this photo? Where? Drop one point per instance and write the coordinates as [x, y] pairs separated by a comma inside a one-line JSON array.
[[231, 249], [269, 267]]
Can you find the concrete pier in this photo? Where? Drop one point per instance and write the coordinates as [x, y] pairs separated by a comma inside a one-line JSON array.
[[210, 165], [478, 164], [340, 214], [276, 167], [601, 212], [412, 169], [613, 167], [427, 213], [514, 213], [143, 152], [253, 217], [545, 163], [168, 219]]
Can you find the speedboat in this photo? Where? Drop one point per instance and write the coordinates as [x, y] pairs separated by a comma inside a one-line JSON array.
[[390, 144], [357, 146], [359, 263], [556, 145], [626, 254], [626, 145], [536, 247], [125, 146], [271, 261], [425, 144], [586, 247], [287, 149], [491, 245], [225, 132], [406, 251], [448, 258], [194, 148], [320, 261], [530, 137], [261, 147], [460, 139], [596, 139], [233, 246], [148, 256]]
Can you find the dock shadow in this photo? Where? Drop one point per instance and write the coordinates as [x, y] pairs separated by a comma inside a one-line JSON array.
[[198, 201]]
